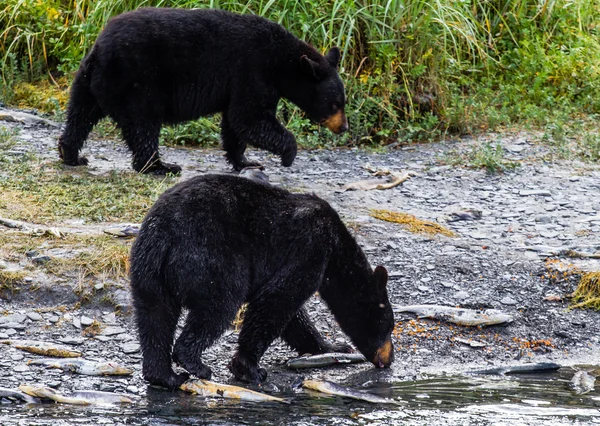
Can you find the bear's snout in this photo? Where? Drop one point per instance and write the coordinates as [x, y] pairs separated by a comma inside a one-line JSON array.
[[337, 123], [384, 355]]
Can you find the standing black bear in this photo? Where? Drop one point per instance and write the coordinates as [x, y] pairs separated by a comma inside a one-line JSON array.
[[159, 66], [214, 242]]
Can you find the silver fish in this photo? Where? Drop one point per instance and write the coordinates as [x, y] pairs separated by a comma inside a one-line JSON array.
[[539, 367], [78, 397], [49, 393], [84, 366], [331, 388], [218, 390], [43, 348], [582, 382], [99, 397], [323, 360], [460, 316], [13, 394]]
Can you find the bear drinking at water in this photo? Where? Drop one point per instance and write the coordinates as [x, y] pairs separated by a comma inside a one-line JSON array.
[[215, 242], [159, 66]]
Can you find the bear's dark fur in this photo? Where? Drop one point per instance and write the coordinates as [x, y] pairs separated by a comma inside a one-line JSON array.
[[214, 242], [159, 66]]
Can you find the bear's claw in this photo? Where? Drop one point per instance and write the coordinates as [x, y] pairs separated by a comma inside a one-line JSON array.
[[246, 372], [172, 381]]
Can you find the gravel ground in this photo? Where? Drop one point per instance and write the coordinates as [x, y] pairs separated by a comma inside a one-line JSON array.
[[502, 260]]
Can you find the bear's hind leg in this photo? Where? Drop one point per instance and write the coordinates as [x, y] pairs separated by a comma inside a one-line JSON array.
[[142, 140], [156, 323], [202, 328], [235, 148], [82, 115], [302, 336]]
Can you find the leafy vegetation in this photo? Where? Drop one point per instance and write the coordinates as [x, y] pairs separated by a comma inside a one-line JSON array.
[[414, 70]]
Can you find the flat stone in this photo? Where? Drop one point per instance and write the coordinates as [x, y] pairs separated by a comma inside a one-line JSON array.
[[534, 192], [14, 325], [113, 330], [34, 316], [53, 319], [508, 301], [131, 348], [72, 340], [86, 321], [20, 368]]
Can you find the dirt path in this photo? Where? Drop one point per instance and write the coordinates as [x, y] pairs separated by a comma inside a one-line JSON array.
[[510, 258]]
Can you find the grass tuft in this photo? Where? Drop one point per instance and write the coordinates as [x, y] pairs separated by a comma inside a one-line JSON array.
[[587, 293], [412, 223]]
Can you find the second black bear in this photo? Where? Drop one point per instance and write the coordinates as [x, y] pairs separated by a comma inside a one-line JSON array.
[[214, 242], [158, 66]]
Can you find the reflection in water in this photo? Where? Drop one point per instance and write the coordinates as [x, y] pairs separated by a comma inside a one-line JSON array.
[[531, 400]]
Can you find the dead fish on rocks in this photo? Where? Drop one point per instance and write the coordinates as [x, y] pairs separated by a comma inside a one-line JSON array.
[[390, 181], [331, 388], [84, 366], [123, 231], [82, 397], [40, 391], [520, 369], [207, 388], [43, 348], [460, 316], [15, 395], [582, 382], [323, 360]]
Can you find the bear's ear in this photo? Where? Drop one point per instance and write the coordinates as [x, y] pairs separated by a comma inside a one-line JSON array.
[[310, 67], [333, 57], [380, 278]]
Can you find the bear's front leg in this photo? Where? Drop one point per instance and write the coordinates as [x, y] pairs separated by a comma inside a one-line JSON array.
[[235, 148], [301, 335], [260, 129]]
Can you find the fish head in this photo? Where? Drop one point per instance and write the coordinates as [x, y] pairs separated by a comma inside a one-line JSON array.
[[371, 331]]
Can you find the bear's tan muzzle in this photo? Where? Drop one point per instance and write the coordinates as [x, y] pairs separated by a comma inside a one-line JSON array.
[[337, 123], [384, 355]]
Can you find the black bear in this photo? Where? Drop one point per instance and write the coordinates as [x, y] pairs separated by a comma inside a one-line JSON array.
[[159, 66], [214, 242]]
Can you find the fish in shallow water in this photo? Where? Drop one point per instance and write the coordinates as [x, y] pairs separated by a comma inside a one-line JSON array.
[[582, 382], [84, 366], [323, 360], [78, 397], [331, 388], [100, 397], [43, 348], [207, 388], [460, 316], [520, 369], [15, 395]]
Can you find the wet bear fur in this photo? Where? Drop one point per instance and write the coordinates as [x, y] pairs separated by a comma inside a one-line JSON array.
[[214, 242], [158, 66]]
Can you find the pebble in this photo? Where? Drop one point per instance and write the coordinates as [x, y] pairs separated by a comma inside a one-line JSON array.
[[20, 368], [34, 316], [534, 192], [130, 348], [132, 389], [113, 330], [53, 319], [508, 301], [86, 321]]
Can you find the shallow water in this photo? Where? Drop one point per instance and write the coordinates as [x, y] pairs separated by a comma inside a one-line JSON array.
[[528, 399]]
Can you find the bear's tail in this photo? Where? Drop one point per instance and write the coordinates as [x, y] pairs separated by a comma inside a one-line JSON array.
[[82, 114]]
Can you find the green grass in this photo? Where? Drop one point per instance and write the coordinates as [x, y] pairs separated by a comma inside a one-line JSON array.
[[46, 193], [487, 155], [414, 70]]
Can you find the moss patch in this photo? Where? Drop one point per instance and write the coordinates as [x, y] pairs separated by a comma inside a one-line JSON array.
[[49, 96], [412, 223], [587, 293]]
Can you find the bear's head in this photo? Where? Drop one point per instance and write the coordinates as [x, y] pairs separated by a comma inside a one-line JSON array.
[[319, 91], [376, 322]]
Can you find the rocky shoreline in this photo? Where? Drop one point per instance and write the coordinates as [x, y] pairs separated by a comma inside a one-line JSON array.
[[512, 257]]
